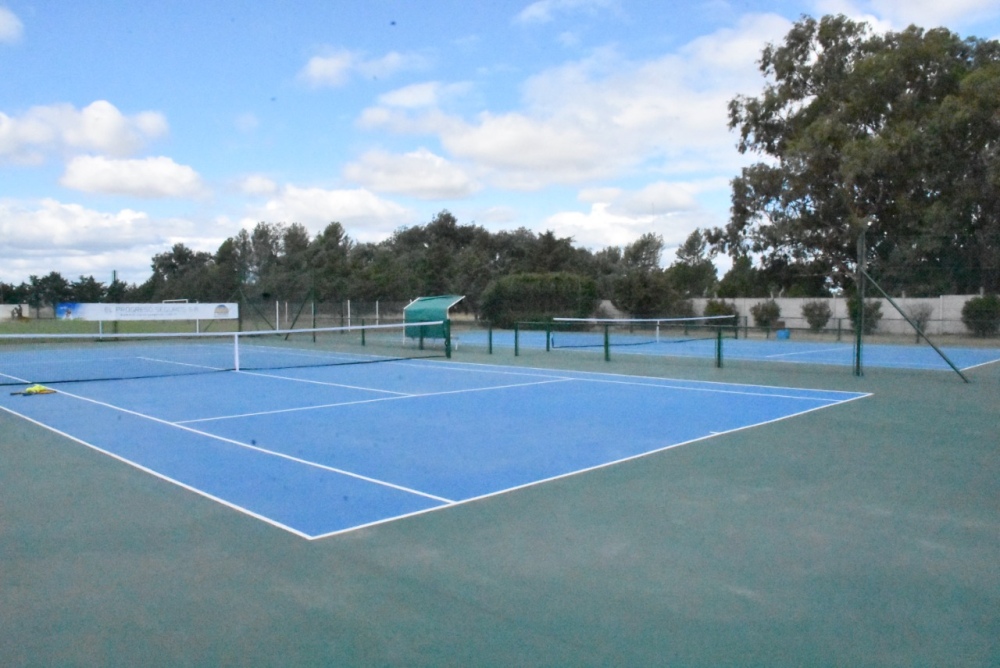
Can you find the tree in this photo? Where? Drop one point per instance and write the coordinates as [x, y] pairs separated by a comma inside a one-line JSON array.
[[892, 133], [87, 289], [50, 290], [644, 253], [744, 280], [694, 274], [328, 262], [642, 288], [180, 273]]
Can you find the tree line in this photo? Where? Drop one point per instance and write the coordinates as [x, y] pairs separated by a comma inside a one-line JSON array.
[[278, 261], [891, 137]]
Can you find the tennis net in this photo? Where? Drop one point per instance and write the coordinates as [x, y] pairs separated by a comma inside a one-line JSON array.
[[601, 332], [63, 358]]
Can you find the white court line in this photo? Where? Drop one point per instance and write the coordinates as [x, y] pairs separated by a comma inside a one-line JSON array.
[[15, 378], [811, 352], [693, 385], [265, 451], [157, 474], [585, 375], [369, 401], [438, 365], [986, 363], [596, 467], [321, 382], [715, 391], [197, 366]]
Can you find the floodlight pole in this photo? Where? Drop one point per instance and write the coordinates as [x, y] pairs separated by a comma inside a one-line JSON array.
[[860, 315]]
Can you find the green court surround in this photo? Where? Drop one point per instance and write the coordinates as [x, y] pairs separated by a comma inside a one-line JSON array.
[[865, 534]]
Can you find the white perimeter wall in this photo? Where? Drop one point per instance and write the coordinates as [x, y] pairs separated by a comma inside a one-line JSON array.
[[6, 309], [946, 312]]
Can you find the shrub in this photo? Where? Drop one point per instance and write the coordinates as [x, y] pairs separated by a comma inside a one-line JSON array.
[[981, 315], [520, 297], [817, 314], [873, 313], [717, 307], [920, 314], [766, 314]]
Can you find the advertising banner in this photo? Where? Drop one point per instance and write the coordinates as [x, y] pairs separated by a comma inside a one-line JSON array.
[[168, 311]]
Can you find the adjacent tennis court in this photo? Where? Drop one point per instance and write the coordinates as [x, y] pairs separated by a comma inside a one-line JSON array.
[[693, 341], [532, 510], [321, 450]]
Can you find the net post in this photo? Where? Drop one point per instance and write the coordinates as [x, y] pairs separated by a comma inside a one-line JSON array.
[[516, 340], [548, 337], [362, 331], [236, 351], [447, 338], [489, 338], [607, 343], [860, 316], [718, 347]]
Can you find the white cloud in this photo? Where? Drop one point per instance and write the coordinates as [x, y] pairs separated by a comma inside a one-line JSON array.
[[544, 11], [604, 226], [366, 216], [655, 199], [599, 227], [11, 28], [420, 95], [99, 127], [618, 217], [529, 153], [333, 69], [257, 184], [606, 117], [390, 64], [420, 174], [38, 237], [898, 14], [148, 177], [337, 67]]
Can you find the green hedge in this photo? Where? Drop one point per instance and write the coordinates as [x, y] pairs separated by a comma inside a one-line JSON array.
[[982, 315], [536, 297]]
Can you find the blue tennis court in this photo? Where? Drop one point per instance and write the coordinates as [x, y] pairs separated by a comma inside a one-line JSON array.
[[322, 450], [762, 350]]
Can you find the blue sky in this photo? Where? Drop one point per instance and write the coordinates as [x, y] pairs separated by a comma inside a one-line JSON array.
[[128, 127]]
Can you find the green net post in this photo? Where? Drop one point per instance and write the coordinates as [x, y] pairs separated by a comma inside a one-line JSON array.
[[489, 338], [718, 347], [447, 338], [362, 331], [422, 337], [859, 318], [607, 343], [516, 340], [548, 337]]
